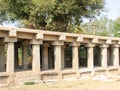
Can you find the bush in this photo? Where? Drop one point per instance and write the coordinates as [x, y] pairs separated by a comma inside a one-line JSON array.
[[29, 83]]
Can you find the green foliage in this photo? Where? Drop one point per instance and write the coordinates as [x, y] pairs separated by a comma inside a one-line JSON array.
[[116, 31], [104, 33], [102, 27], [29, 83], [50, 14]]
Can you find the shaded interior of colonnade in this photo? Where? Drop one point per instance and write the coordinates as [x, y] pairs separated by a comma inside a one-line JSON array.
[[97, 56], [110, 56], [2, 56], [82, 52], [51, 60], [22, 55]]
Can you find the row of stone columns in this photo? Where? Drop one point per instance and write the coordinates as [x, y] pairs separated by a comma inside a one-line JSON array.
[[59, 55]]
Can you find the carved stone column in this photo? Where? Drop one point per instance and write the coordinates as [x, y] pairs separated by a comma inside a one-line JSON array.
[[115, 55], [90, 56], [75, 58], [45, 56], [104, 55], [10, 54], [36, 54], [57, 55]]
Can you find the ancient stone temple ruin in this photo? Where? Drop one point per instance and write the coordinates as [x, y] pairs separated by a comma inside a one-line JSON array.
[[27, 54]]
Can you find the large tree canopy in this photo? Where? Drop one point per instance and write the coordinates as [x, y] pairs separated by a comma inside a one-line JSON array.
[[50, 14]]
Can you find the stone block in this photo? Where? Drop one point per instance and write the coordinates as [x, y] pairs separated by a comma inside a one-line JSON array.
[[62, 37], [39, 36], [13, 33], [79, 38]]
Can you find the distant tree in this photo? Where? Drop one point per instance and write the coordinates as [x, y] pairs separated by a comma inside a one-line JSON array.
[[116, 31], [102, 27], [50, 14]]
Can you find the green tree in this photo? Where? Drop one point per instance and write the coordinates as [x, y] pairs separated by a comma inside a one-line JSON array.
[[116, 31], [50, 14], [102, 26]]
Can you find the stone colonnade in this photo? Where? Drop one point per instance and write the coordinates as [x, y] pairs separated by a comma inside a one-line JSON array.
[[38, 38]]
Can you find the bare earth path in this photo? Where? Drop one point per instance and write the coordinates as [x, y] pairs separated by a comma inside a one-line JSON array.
[[71, 85]]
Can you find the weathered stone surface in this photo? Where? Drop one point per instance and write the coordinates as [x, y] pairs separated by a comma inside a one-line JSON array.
[[37, 39]]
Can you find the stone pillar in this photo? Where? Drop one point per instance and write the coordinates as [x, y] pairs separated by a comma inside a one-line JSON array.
[[75, 58], [57, 55], [104, 55], [36, 55], [45, 56], [10, 54], [115, 55], [2, 57], [90, 56], [25, 55], [10, 57]]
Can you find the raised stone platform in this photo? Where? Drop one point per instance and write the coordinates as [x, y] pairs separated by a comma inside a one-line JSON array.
[[55, 56]]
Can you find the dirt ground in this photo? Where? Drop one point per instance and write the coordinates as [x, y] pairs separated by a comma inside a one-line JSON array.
[[71, 85]]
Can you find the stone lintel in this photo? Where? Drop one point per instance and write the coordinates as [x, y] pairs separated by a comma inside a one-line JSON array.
[[12, 33], [79, 38], [10, 39], [58, 43], [35, 41], [95, 40], [108, 41], [39, 36], [104, 46], [90, 45], [46, 45], [115, 45], [62, 37], [75, 44]]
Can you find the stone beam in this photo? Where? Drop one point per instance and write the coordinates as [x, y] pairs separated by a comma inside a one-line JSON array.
[[8, 39]]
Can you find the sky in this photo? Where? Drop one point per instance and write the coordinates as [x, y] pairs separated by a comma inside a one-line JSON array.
[[113, 7]]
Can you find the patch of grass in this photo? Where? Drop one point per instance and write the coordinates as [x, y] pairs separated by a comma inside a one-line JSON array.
[[29, 83]]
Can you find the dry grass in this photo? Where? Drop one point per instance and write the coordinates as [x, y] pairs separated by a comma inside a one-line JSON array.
[[71, 85]]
